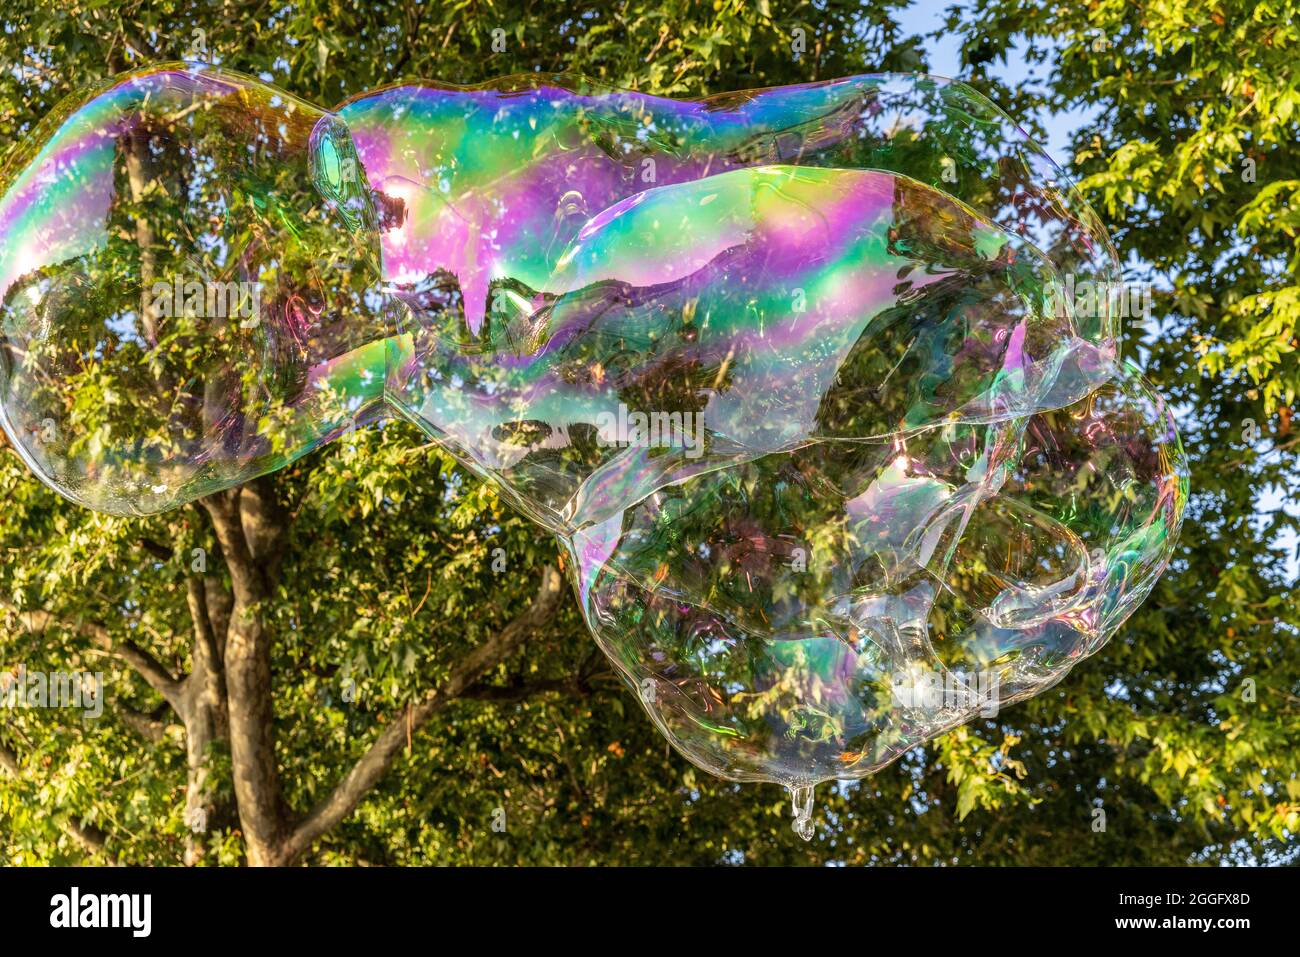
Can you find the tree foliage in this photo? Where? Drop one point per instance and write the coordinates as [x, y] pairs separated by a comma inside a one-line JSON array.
[[405, 699]]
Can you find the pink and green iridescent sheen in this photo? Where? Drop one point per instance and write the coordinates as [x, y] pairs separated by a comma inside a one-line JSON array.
[[889, 451]]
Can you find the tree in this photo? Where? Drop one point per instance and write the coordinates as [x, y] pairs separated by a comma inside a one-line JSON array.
[[330, 664], [1188, 159]]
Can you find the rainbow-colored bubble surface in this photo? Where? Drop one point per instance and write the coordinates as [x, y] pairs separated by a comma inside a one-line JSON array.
[[818, 387]]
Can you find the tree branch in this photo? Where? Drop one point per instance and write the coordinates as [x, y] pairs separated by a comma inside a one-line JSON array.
[[91, 839], [520, 691], [150, 727], [367, 771], [578, 684], [149, 668], [156, 549], [206, 654], [9, 761]]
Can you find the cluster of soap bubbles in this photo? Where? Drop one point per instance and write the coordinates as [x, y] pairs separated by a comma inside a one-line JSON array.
[[799, 378]]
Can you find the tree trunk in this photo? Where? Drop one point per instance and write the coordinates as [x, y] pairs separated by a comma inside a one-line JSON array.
[[250, 527], [205, 715]]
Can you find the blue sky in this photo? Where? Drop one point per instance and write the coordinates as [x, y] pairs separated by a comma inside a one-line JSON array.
[[926, 17]]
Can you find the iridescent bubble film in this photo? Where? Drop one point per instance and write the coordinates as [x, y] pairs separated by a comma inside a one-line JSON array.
[[818, 387], [181, 306]]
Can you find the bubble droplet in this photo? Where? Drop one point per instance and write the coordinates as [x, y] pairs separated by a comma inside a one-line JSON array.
[[801, 799]]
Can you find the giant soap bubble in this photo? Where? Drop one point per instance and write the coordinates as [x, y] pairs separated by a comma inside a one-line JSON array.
[[818, 387], [181, 309]]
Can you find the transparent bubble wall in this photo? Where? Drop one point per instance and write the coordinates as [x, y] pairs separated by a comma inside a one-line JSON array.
[[819, 387], [182, 297]]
